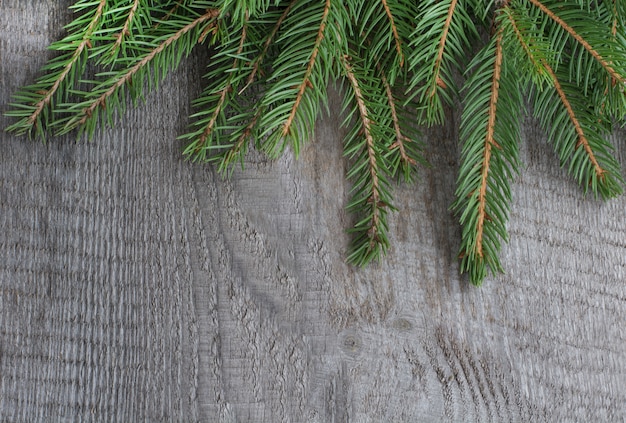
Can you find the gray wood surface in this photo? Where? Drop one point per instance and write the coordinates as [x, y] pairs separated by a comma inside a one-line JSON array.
[[136, 286]]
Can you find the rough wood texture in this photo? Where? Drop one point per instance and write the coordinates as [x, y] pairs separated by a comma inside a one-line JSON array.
[[138, 287]]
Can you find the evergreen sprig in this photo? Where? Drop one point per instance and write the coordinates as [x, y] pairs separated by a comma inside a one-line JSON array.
[[400, 64]]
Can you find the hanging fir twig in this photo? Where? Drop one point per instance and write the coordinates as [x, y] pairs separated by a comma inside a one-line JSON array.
[[401, 64]]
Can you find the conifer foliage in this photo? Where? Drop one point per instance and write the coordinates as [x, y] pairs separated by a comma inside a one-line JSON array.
[[400, 64]]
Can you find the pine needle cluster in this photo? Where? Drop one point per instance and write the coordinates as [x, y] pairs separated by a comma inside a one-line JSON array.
[[400, 64]]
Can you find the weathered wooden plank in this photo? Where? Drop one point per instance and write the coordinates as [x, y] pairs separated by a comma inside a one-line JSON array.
[[137, 286]]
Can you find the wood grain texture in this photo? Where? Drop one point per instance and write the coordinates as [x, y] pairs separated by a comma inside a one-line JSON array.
[[136, 286]]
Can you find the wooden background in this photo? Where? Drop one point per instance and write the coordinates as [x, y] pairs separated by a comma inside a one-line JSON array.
[[136, 286]]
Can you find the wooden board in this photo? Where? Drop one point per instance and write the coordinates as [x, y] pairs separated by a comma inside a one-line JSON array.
[[136, 286]]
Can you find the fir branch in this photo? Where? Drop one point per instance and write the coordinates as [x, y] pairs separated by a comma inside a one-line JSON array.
[[41, 95], [223, 92], [587, 46], [582, 139], [489, 144], [607, 187], [367, 132], [436, 78], [127, 75], [371, 198], [394, 30], [239, 147], [268, 42], [273, 60], [125, 31], [403, 135], [296, 87], [579, 136], [306, 81], [385, 25], [489, 159], [84, 44], [533, 49], [443, 31], [226, 119], [405, 152], [401, 140]]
